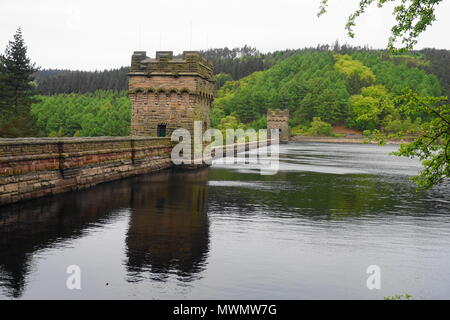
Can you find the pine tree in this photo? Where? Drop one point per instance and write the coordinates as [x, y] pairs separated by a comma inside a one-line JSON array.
[[16, 90]]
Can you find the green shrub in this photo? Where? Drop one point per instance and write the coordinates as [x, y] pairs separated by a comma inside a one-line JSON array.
[[402, 126], [319, 128]]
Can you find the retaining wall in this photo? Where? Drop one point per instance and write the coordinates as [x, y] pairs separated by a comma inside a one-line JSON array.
[[35, 167]]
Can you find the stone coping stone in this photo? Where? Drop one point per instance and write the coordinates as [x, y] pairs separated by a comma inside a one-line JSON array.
[[47, 140]]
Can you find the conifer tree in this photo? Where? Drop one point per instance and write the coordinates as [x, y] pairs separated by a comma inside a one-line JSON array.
[[16, 90]]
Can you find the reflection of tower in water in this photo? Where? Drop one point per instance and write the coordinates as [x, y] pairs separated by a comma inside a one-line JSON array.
[[168, 231]]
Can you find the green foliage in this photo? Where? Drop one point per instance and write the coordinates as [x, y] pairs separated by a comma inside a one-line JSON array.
[[237, 62], [54, 81], [319, 128], [297, 130], [432, 145], [220, 79], [439, 66], [229, 122], [357, 74], [399, 297], [412, 17], [369, 108], [314, 84], [374, 111], [260, 123], [398, 76], [16, 90], [217, 114], [307, 84], [403, 127], [414, 60], [102, 113]]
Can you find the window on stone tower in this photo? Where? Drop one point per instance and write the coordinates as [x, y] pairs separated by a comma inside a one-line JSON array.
[[161, 130]]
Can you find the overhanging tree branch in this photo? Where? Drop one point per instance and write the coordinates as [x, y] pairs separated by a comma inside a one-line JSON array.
[[412, 18]]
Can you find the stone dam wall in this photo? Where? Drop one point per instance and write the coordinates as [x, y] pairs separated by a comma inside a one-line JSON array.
[[36, 167]]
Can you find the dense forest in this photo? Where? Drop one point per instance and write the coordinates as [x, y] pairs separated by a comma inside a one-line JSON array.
[[229, 64], [355, 87], [53, 81], [323, 88], [99, 113]]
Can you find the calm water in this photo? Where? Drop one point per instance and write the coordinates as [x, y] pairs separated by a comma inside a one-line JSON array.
[[227, 232]]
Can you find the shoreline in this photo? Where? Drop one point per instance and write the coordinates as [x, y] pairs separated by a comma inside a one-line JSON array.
[[356, 140]]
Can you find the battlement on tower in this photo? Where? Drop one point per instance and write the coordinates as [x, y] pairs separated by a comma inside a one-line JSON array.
[[169, 92], [278, 114], [190, 63], [279, 119]]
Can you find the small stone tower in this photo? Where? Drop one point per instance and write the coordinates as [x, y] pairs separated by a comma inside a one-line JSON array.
[[168, 93], [279, 119]]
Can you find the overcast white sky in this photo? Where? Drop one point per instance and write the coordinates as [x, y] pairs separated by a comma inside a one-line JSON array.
[[94, 34]]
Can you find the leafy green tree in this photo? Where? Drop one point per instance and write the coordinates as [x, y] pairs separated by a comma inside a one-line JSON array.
[[17, 90], [402, 127], [397, 75], [412, 17], [307, 84], [260, 123], [369, 108], [319, 128], [100, 113], [433, 144], [217, 114], [317, 84], [220, 79], [229, 122], [358, 75]]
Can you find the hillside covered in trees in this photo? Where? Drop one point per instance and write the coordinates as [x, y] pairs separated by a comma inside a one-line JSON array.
[[54, 81], [99, 113], [229, 64], [356, 90], [319, 87]]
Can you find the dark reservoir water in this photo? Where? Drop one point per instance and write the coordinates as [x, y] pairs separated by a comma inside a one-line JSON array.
[[309, 231]]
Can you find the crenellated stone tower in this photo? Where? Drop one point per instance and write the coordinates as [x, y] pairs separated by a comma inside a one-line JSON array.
[[279, 119], [167, 93]]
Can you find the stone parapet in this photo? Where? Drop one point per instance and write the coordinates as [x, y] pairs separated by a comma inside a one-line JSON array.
[[191, 63], [35, 167]]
